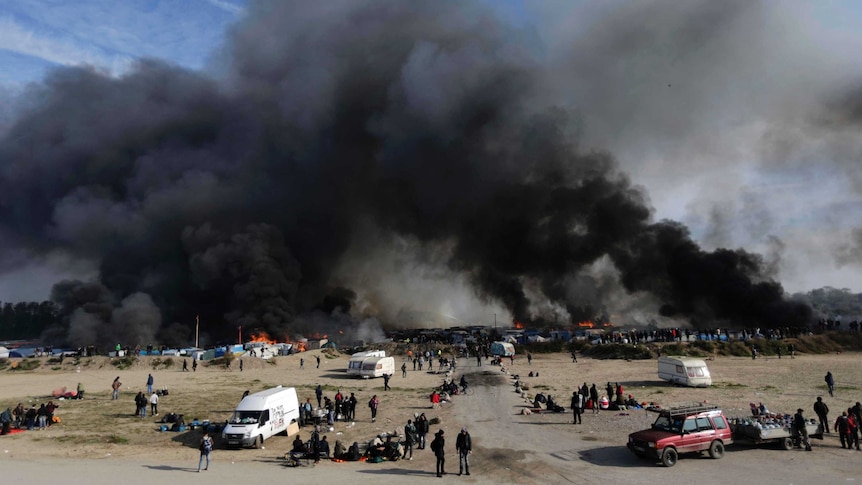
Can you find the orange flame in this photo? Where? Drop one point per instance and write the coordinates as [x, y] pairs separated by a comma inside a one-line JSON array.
[[586, 324], [300, 346], [262, 337], [519, 325]]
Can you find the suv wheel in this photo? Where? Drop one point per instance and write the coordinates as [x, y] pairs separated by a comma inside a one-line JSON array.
[[716, 449], [669, 457]]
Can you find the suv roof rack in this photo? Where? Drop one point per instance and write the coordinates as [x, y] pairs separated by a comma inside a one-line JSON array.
[[687, 408]]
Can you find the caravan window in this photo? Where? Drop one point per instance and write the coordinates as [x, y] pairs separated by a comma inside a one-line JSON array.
[[368, 366], [695, 372], [680, 370], [379, 366], [354, 364]]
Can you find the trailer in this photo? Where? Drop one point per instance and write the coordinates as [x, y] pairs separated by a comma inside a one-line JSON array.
[[778, 432]]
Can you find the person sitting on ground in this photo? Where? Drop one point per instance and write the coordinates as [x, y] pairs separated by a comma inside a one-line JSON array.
[[630, 402], [298, 445], [353, 453], [323, 449], [540, 398], [179, 422], [340, 452], [6, 421], [762, 409], [376, 447]]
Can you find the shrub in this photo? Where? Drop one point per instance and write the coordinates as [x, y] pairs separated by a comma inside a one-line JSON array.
[[123, 363]]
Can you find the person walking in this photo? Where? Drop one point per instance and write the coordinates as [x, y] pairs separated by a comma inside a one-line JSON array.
[[842, 427], [318, 360], [577, 403], [822, 411], [464, 446], [373, 403], [830, 383], [594, 398], [409, 438], [185, 365], [154, 404], [302, 366], [853, 425], [318, 393], [801, 432], [240, 365], [115, 386], [404, 369], [206, 447], [195, 365], [438, 447], [386, 382], [149, 384]]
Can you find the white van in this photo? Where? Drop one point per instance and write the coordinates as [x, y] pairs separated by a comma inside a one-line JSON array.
[[260, 416], [685, 371], [354, 365]]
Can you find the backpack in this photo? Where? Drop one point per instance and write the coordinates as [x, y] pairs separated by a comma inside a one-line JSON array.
[[206, 445]]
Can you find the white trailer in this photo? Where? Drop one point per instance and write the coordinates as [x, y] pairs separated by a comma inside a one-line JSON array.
[[684, 371]]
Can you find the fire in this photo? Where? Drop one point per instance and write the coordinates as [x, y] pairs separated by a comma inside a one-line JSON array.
[[586, 324], [299, 346], [519, 325], [262, 337]]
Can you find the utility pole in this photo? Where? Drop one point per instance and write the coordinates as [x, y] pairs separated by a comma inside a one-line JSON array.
[[197, 327]]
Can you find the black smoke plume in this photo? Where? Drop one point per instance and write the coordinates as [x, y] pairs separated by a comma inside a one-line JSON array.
[[235, 198]]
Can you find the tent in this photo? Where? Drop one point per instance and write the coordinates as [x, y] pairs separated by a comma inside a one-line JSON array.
[[503, 349], [4, 353]]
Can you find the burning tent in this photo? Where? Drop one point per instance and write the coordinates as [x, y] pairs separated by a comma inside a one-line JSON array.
[[503, 349]]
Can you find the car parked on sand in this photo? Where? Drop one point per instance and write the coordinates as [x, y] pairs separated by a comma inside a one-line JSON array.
[[683, 428]]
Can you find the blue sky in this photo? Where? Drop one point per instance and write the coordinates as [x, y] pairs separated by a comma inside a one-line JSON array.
[[736, 190], [36, 35]]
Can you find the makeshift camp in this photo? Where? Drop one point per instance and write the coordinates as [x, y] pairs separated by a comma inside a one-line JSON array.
[[503, 349]]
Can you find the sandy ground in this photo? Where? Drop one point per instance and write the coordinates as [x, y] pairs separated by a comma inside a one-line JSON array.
[[101, 440]]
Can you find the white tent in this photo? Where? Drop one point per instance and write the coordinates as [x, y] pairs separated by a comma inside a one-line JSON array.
[[4, 353]]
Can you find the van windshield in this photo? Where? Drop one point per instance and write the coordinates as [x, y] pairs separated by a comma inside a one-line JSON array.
[[245, 417]]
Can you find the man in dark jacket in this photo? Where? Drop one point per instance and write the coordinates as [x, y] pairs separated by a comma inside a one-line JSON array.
[[464, 445], [799, 428], [594, 397], [822, 411], [577, 399], [438, 447], [422, 430]]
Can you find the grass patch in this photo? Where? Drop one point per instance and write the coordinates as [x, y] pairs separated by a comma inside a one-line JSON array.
[[25, 364], [167, 363], [123, 363]]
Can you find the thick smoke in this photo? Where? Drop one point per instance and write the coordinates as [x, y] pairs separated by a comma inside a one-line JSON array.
[[239, 199]]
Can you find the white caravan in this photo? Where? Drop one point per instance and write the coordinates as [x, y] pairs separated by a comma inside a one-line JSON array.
[[684, 371]]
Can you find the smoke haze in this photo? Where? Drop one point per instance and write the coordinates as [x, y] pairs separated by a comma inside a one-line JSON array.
[[354, 161]]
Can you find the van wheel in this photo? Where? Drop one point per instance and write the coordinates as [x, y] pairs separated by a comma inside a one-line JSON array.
[[669, 457], [258, 442], [716, 449], [787, 443]]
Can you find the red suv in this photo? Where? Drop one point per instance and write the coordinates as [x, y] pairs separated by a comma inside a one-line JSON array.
[[683, 428]]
